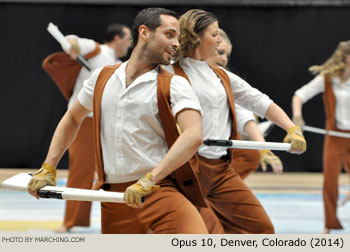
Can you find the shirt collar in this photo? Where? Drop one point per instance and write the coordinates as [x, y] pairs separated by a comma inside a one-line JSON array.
[[195, 62], [146, 77]]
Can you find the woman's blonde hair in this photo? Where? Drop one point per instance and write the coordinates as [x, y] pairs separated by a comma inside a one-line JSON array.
[[335, 64], [192, 25], [224, 37]]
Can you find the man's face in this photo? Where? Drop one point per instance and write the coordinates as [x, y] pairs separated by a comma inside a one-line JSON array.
[[125, 43], [163, 42]]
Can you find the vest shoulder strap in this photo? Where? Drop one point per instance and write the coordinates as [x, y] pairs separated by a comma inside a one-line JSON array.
[[101, 82], [95, 52], [185, 175]]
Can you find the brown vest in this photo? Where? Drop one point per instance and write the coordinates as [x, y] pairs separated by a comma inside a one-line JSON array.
[[329, 105], [226, 83], [64, 71], [185, 175]]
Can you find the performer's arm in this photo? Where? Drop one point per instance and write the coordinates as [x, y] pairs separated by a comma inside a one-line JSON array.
[[185, 146], [64, 135], [253, 132], [297, 108], [266, 156], [65, 132], [294, 135]]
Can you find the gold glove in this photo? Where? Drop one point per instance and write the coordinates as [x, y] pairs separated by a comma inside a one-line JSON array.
[[297, 140], [134, 193], [45, 176], [74, 45], [298, 120], [178, 129], [268, 157]]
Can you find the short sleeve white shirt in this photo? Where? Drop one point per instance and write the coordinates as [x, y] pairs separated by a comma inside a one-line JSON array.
[[243, 116], [342, 95], [104, 58], [132, 137], [213, 100]]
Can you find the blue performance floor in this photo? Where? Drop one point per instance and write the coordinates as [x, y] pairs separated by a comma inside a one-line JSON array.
[[291, 213]]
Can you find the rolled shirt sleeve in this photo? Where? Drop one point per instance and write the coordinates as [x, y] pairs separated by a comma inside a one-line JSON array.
[[243, 116], [248, 97], [182, 96], [311, 89], [86, 94]]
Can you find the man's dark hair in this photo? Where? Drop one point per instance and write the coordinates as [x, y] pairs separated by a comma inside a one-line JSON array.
[[149, 17], [114, 29]]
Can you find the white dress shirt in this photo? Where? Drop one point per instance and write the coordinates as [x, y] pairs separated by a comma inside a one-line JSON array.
[[104, 58], [213, 100], [342, 96], [243, 116], [132, 137]]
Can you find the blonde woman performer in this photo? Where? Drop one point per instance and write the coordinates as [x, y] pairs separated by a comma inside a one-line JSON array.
[[332, 79], [238, 210]]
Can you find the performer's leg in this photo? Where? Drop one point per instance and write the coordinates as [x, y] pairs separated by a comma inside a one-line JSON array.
[[332, 163], [245, 162], [211, 220], [238, 210], [81, 175], [165, 211], [347, 169]]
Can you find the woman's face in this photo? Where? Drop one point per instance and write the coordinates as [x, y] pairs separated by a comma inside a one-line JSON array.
[[222, 55], [209, 41]]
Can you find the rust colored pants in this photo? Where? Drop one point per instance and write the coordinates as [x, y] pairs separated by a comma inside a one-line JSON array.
[[233, 203], [245, 162], [81, 175], [165, 211], [336, 154]]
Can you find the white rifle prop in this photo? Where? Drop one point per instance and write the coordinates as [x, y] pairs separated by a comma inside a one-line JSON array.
[[20, 181], [325, 132], [255, 145], [55, 32]]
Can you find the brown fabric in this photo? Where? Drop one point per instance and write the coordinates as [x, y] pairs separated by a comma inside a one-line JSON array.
[[236, 207], [245, 162], [329, 104], [185, 175], [101, 82], [64, 71], [81, 175], [211, 220], [336, 155], [231, 101], [227, 86], [165, 211]]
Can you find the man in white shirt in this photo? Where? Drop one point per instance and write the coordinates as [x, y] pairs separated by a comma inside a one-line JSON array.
[[118, 40], [132, 137]]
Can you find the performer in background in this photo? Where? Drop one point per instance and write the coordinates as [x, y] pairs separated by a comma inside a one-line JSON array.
[[245, 161], [130, 142], [81, 154], [332, 79], [238, 210]]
